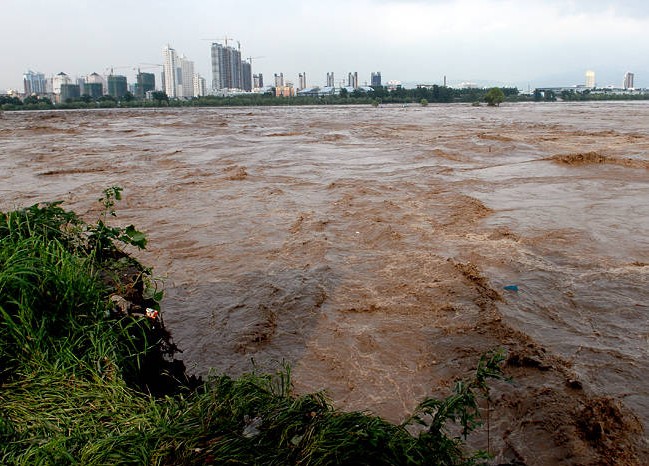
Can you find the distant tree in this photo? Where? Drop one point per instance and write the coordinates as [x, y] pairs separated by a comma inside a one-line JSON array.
[[344, 93], [510, 91], [400, 92], [159, 97], [8, 100], [423, 102], [380, 92], [85, 98], [494, 97], [128, 97], [538, 95], [443, 93], [32, 99]]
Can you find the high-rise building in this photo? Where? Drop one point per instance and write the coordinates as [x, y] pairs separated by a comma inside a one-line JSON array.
[[628, 80], [95, 78], [145, 83], [94, 90], [70, 92], [246, 76], [177, 74], [590, 79], [185, 80], [226, 67], [258, 81], [279, 80], [34, 82], [170, 71], [330, 79], [376, 78], [302, 80], [59, 80], [352, 80], [117, 86], [200, 86]]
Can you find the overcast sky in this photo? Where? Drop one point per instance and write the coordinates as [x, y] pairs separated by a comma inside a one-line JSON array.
[[535, 42]]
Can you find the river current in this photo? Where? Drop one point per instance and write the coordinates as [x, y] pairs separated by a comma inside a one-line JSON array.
[[380, 251]]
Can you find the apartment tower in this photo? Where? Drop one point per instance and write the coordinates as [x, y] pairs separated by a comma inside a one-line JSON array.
[[590, 79], [376, 78], [34, 82], [227, 67], [170, 72]]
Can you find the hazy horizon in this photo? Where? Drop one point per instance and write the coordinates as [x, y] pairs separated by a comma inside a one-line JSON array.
[[497, 42]]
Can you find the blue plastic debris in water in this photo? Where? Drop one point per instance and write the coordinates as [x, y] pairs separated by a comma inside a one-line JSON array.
[[511, 287]]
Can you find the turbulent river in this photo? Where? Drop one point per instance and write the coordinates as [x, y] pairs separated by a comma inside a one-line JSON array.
[[370, 248]]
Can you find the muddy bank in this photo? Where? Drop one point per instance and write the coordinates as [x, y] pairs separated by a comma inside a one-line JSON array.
[[370, 248]]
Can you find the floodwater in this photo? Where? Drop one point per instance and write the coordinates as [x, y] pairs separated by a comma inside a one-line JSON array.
[[369, 248]]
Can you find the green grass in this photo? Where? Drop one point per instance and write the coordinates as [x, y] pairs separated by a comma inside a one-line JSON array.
[[82, 384]]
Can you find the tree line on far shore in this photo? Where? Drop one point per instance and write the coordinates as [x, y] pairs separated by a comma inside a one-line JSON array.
[[379, 95]]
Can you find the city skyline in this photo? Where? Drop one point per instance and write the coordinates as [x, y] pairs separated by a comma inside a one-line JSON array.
[[492, 42]]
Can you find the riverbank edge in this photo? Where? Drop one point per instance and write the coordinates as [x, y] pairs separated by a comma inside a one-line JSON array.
[[88, 374]]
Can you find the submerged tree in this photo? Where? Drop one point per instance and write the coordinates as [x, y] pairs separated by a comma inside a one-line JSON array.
[[494, 97]]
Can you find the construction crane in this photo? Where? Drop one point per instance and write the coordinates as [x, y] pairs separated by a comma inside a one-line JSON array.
[[148, 65], [116, 68], [250, 59], [225, 39]]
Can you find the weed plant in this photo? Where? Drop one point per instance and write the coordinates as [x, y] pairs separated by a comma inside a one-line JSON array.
[[76, 385]]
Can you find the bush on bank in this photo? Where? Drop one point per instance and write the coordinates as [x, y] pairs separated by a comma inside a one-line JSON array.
[[87, 374]]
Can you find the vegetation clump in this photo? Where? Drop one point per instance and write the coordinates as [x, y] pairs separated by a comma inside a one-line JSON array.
[[87, 374], [494, 97]]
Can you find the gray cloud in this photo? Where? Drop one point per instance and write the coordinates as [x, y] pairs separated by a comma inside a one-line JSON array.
[[407, 40]]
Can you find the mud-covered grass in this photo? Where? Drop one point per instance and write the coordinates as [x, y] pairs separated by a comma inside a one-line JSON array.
[[87, 374]]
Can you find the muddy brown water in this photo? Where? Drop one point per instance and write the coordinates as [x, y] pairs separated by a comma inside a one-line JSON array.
[[369, 248]]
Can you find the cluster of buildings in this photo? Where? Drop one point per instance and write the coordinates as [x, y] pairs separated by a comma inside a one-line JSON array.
[[179, 81], [590, 85], [230, 73], [62, 87], [333, 88], [627, 81]]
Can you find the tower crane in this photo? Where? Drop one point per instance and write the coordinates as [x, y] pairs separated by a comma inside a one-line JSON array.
[[225, 39], [116, 68], [250, 59], [148, 65]]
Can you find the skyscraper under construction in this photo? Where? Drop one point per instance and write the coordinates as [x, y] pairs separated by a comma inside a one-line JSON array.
[[228, 70]]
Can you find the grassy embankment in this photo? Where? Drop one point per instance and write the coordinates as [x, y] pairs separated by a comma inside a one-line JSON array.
[[87, 374]]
